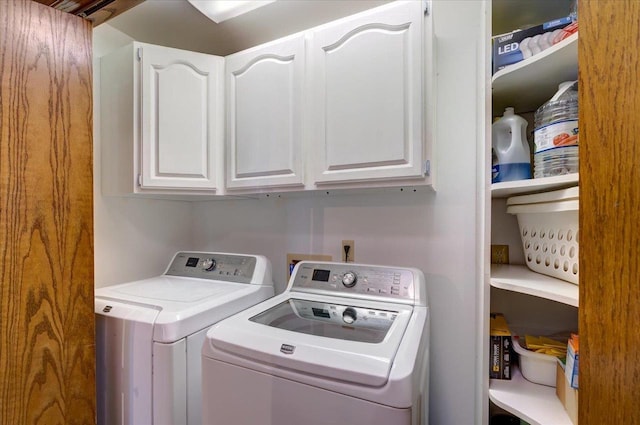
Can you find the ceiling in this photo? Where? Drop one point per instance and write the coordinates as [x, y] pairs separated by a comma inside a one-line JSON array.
[[75, 7], [176, 23], [95, 11]]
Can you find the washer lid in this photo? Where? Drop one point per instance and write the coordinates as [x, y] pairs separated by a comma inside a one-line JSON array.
[[278, 333], [337, 321]]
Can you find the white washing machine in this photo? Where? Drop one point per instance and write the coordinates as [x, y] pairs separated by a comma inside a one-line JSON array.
[[149, 335], [344, 344]]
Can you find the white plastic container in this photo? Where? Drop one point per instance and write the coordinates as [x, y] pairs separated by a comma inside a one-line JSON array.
[[511, 154], [549, 232], [536, 367]]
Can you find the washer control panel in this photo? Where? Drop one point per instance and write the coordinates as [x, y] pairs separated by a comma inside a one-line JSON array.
[[342, 314], [214, 266], [358, 279]]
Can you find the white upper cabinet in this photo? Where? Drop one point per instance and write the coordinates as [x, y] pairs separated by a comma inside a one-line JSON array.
[[367, 100], [162, 120], [181, 114], [264, 115], [343, 105]]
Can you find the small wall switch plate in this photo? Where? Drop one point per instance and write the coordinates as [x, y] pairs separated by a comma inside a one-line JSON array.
[[293, 259], [499, 254], [348, 254]]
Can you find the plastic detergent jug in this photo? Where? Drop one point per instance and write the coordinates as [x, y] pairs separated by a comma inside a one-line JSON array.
[[556, 133], [511, 157]]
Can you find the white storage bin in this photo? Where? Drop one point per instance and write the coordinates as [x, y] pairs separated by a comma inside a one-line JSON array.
[[536, 367], [549, 231]]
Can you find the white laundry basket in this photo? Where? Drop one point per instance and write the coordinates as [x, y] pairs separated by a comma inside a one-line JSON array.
[[549, 231]]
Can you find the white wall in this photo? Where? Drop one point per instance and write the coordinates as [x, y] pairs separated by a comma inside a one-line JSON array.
[[134, 238], [436, 232]]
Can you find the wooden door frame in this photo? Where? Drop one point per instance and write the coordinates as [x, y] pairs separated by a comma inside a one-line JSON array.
[[47, 342], [609, 121]]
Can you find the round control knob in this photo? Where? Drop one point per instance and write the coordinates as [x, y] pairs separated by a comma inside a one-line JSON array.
[[208, 264], [349, 279], [349, 315]]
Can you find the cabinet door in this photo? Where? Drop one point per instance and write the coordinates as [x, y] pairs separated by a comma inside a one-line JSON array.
[[367, 95], [264, 115], [181, 112]]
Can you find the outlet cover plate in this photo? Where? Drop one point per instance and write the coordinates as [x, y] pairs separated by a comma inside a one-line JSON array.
[[352, 251], [499, 254]]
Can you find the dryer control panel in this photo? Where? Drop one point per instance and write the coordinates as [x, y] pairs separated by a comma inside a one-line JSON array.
[[214, 266], [358, 279]]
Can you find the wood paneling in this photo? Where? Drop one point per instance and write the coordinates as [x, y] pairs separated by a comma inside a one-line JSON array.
[[47, 367], [609, 211]]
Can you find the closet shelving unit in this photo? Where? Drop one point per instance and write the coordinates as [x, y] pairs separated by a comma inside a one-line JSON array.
[[529, 83], [525, 86]]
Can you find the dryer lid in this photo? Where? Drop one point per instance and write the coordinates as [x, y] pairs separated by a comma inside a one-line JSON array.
[[161, 289], [185, 305]]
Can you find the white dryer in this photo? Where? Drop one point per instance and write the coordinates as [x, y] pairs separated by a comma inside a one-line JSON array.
[[344, 344], [149, 334]]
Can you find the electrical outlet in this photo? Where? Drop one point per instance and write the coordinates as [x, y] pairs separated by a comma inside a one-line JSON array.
[[499, 254], [348, 251]]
